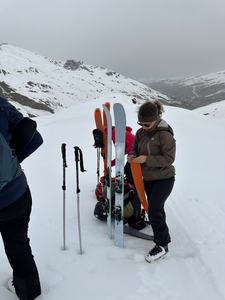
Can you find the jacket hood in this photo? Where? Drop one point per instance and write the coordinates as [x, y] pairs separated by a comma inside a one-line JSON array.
[[163, 125], [160, 125]]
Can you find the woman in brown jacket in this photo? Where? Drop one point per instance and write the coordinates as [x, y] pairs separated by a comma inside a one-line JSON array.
[[154, 147]]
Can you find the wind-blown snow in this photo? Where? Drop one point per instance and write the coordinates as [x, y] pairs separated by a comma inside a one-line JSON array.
[[195, 215]]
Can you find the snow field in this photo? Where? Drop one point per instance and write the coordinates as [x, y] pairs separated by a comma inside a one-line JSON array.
[[195, 214]]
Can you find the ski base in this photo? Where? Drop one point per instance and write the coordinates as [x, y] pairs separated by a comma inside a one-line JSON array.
[[138, 234], [120, 133]]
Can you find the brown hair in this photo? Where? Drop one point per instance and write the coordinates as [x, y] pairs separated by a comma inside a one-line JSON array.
[[159, 107], [150, 109]]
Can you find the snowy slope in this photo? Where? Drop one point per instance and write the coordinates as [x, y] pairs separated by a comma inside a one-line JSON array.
[[39, 85], [216, 110], [208, 79], [195, 214]]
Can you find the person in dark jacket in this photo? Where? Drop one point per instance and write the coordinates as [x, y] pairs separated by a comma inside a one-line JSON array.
[[15, 209], [154, 148]]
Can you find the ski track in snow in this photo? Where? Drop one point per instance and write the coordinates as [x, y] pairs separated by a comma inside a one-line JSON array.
[[195, 214]]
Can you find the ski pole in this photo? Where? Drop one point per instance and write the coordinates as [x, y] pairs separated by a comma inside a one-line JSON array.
[[98, 164], [98, 137], [78, 157], [63, 149]]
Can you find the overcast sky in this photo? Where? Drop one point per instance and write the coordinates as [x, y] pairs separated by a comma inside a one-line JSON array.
[[137, 38]]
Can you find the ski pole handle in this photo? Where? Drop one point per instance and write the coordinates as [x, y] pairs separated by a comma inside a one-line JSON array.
[[63, 149], [76, 149], [78, 158]]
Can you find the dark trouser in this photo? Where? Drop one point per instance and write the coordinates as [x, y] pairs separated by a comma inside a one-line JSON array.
[[157, 193], [136, 202], [128, 173], [14, 221]]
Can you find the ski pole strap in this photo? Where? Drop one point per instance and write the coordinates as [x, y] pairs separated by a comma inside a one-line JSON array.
[[63, 148], [78, 151]]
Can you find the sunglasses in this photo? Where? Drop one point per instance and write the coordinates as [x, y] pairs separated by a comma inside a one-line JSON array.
[[146, 125]]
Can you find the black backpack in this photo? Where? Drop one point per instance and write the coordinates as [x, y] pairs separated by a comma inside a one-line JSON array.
[[101, 207], [9, 165]]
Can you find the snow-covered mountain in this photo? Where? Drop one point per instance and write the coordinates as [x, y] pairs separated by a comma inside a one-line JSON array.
[[38, 85], [196, 91]]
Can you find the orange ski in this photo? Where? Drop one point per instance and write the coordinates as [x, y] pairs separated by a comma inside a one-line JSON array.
[[107, 104], [101, 126], [98, 119], [139, 184]]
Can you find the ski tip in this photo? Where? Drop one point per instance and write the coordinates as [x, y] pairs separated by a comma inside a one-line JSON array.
[[118, 106]]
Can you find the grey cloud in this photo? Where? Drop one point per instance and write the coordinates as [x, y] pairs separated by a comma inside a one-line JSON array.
[[145, 38]]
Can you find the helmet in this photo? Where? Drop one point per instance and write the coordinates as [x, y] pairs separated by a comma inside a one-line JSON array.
[[100, 211]]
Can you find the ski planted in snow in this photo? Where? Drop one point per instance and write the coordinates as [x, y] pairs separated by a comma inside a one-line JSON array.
[[99, 145], [100, 126], [108, 121], [98, 119], [120, 132], [105, 141], [138, 234]]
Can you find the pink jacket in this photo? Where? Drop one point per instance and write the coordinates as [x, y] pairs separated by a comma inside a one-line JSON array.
[[129, 139]]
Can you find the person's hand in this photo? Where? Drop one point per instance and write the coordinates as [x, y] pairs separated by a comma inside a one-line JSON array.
[[140, 159], [129, 157]]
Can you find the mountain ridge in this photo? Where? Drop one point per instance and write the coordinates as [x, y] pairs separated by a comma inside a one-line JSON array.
[[39, 85], [197, 91]]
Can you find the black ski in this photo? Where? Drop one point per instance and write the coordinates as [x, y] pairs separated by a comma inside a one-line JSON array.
[[136, 233]]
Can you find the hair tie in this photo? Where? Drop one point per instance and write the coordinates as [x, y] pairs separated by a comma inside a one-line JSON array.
[[155, 104]]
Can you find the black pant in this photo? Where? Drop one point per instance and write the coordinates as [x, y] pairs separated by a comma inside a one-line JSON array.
[[128, 173], [157, 192], [14, 221]]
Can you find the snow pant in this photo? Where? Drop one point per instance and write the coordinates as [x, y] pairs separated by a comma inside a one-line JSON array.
[[14, 221], [157, 192]]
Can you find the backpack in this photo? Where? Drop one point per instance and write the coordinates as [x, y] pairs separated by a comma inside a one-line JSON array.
[[9, 165], [128, 199], [101, 207]]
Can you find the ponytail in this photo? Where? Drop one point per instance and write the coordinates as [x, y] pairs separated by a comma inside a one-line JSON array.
[[160, 107]]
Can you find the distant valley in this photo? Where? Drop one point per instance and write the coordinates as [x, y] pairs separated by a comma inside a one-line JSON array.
[[194, 91]]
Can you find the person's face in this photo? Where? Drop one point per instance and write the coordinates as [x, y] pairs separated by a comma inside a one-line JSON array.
[[147, 125]]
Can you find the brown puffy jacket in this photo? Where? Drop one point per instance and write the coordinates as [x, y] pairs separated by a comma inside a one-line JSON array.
[[159, 146]]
